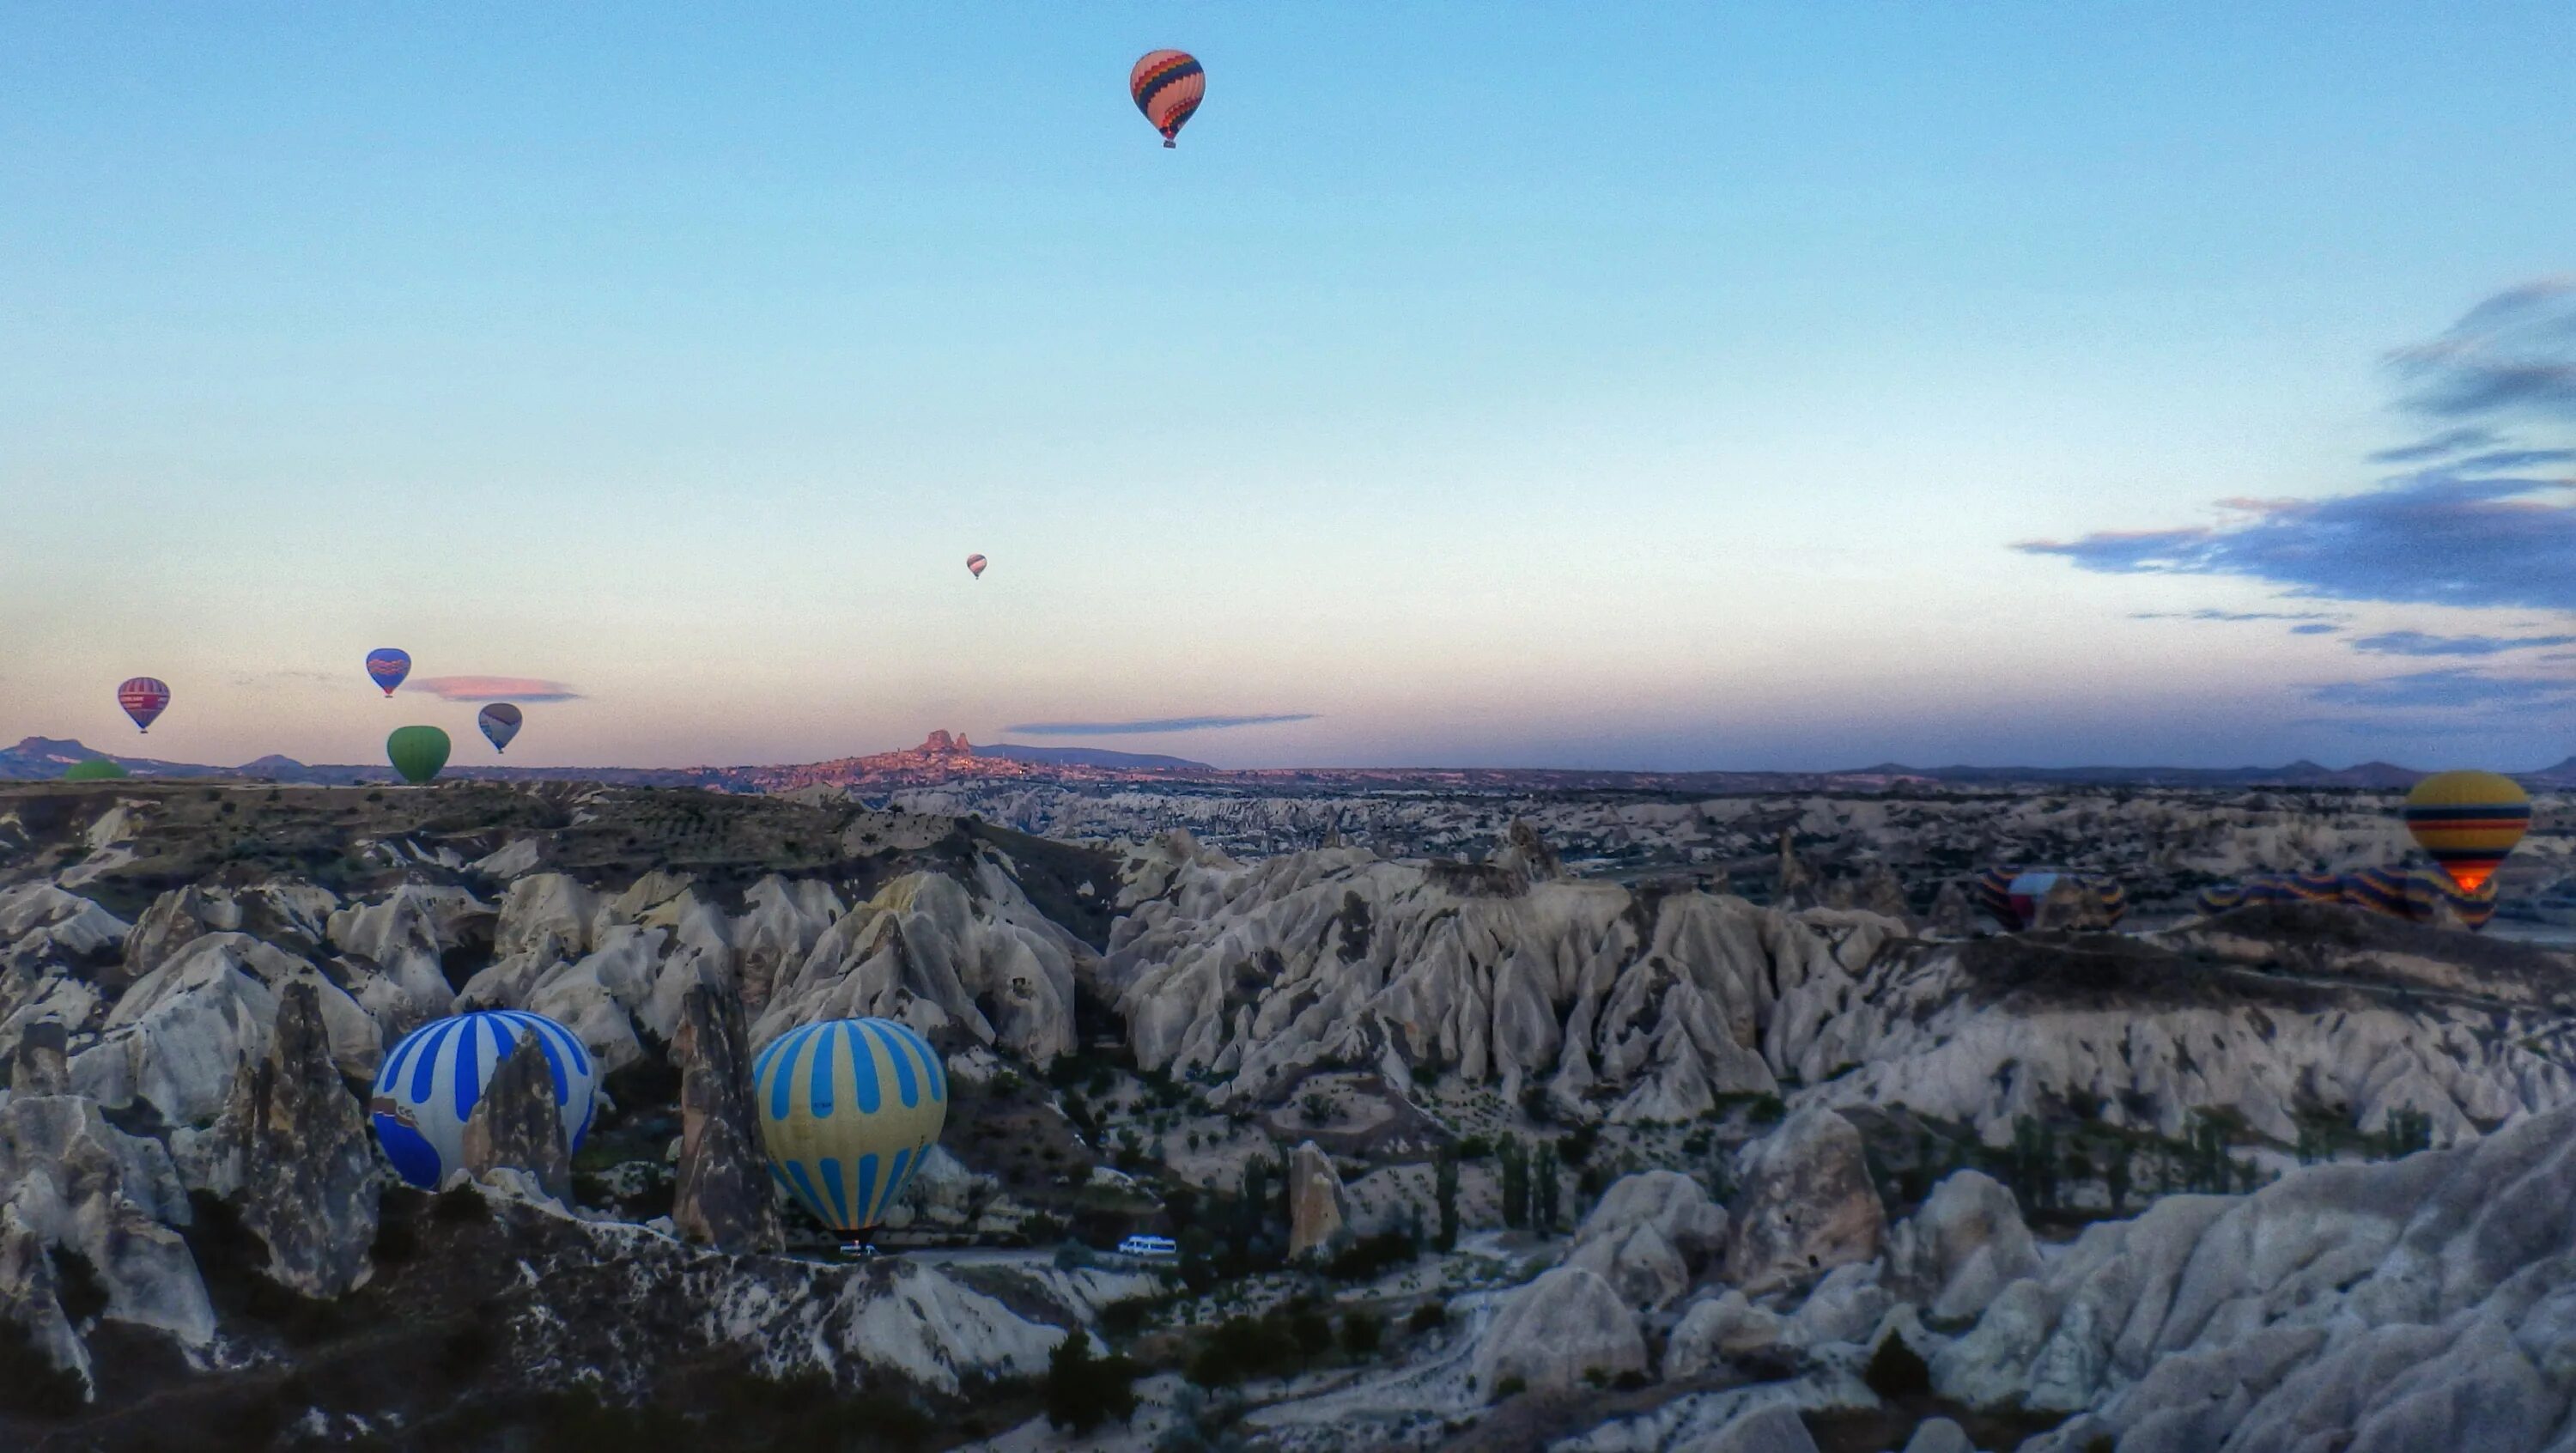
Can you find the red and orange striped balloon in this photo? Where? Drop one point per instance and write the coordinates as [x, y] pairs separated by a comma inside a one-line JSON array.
[[1168, 86]]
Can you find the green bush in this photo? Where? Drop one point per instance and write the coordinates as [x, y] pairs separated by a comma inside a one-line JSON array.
[[1362, 1332], [1083, 1391], [30, 1384], [1897, 1371], [1429, 1317]]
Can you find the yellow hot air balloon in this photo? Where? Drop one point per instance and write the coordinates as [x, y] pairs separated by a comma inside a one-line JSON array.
[[2468, 821], [848, 1108]]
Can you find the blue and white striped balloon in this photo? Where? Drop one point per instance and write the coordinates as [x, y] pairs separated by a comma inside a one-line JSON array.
[[433, 1079], [848, 1108]]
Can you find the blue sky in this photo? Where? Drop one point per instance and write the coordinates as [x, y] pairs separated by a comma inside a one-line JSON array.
[[1653, 386]]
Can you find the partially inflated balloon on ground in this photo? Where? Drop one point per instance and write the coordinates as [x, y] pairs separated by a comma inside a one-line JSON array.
[[433, 1079], [2013, 895], [848, 1108], [417, 752], [500, 722], [2468, 821], [96, 769]]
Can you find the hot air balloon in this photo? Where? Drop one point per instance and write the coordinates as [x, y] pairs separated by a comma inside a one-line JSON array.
[[2013, 895], [96, 769], [2468, 821], [848, 1108], [417, 752], [389, 666], [500, 722], [1168, 86], [434, 1077], [2414, 894], [975, 566], [144, 699]]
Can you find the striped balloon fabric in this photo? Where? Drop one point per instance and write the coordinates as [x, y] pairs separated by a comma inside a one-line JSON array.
[[143, 698], [1168, 86], [848, 1108], [434, 1078], [2468, 821], [2012, 895], [2414, 894]]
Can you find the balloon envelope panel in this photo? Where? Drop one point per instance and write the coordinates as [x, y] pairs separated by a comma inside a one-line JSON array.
[[848, 1108], [435, 1076]]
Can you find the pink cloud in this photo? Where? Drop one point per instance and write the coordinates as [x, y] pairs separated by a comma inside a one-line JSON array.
[[493, 688]]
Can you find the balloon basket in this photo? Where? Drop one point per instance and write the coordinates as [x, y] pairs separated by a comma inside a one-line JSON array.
[[1171, 146]]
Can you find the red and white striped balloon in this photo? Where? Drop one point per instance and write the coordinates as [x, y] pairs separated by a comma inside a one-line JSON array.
[[144, 699]]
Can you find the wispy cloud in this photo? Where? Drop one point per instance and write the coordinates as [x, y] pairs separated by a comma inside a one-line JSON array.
[[2231, 615], [2439, 446], [2515, 352], [1159, 724], [2314, 630], [2418, 643], [264, 680], [2476, 523], [492, 688], [2452, 687]]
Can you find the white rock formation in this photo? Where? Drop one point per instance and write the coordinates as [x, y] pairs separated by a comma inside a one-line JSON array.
[[1318, 1207], [1567, 1324], [1804, 1204], [1965, 1245], [2423, 1303]]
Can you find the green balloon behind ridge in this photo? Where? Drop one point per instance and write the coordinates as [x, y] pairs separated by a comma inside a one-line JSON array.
[[96, 769], [417, 752]]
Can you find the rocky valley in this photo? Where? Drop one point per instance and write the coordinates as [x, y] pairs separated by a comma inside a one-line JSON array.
[[1647, 1120]]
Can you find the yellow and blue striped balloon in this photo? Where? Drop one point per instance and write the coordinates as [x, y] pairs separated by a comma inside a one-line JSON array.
[[2468, 821], [848, 1108]]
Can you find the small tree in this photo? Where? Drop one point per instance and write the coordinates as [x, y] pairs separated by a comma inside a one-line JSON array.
[[1516, 1182], [2117, 1178], [1083, 1391], [1546, 1185], [1444, 1184], [1362, 1332]]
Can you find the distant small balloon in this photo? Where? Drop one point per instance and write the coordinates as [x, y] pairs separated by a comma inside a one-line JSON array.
[[1168, 86], [144, 699], [389, 666], [975, 566], [417, 752], [500, 721]]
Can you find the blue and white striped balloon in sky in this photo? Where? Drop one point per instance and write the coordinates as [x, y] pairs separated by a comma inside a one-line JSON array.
[[848, 1108], [433, 1079]]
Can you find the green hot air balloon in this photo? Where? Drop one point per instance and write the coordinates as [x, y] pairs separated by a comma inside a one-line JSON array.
[[96, 769], [417, 752]]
